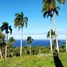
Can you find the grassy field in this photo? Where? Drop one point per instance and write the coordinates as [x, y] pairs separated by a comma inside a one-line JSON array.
[[33, 61]]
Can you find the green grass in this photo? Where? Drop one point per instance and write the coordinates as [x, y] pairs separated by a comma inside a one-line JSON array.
[[33, 61]]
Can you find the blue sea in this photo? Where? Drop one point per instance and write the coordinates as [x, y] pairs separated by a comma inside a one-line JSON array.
[[45, 43]]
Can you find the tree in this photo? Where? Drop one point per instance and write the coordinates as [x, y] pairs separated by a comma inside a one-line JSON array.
[[29, 41], [60, 2], [2, 42], [49, 8], [5, 26], [11, 47], [19, 22], [52, 34]]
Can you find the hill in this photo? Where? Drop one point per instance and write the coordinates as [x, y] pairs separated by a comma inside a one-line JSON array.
[[33, 61]]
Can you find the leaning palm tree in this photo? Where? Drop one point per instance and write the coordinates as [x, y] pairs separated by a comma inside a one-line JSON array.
[[29, 41], [5, 27], [19, 22]]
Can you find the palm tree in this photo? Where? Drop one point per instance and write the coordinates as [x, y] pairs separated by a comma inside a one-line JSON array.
[[19, 22], [2, 41], [29, 41], [49, 8], [60, 2], [5, 27], [52, 34]]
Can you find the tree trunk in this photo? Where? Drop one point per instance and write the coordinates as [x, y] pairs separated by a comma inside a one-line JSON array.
[[6, 46], [57, 46], [30, 49], [21, 43], [1, 54], [50, 36], [66, 41]]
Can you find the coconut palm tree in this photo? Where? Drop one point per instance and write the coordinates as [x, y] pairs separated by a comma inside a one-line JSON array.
[[2, 41], [60, 2], [29, 41], [5, 27], [19, 22], [49, 8]]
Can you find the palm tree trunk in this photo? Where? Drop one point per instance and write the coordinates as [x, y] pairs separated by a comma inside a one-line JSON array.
[[50, 36], [57, 47], [30, 49], [21, 43], [6, 46], [66, 41], [1, 54]]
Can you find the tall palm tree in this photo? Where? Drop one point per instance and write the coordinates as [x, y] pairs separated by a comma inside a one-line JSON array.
[[60, 2], [29, 41], [19, 22], [48, 9], [5, 27]]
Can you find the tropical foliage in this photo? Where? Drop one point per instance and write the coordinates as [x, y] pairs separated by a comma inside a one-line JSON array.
[[5, 27], [29, 41]]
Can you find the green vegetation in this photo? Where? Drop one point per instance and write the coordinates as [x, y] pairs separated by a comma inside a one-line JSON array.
[[29, 41], [33, 61]]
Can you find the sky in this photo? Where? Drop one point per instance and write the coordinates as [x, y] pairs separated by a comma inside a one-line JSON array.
[[38, 26]]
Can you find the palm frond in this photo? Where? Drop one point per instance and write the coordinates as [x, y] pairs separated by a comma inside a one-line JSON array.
[[25, 20], [45, 13], [10, 29], [61, 1]]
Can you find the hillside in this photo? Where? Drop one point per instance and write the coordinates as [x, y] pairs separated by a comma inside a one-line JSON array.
[[33, 61]]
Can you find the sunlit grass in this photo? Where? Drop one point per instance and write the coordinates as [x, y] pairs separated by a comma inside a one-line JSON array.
[[33, 61]]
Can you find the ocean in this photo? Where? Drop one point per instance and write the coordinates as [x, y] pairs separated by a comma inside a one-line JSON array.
[[45, 43]]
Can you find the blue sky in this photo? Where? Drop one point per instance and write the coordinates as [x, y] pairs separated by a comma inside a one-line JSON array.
[[36, 23]]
